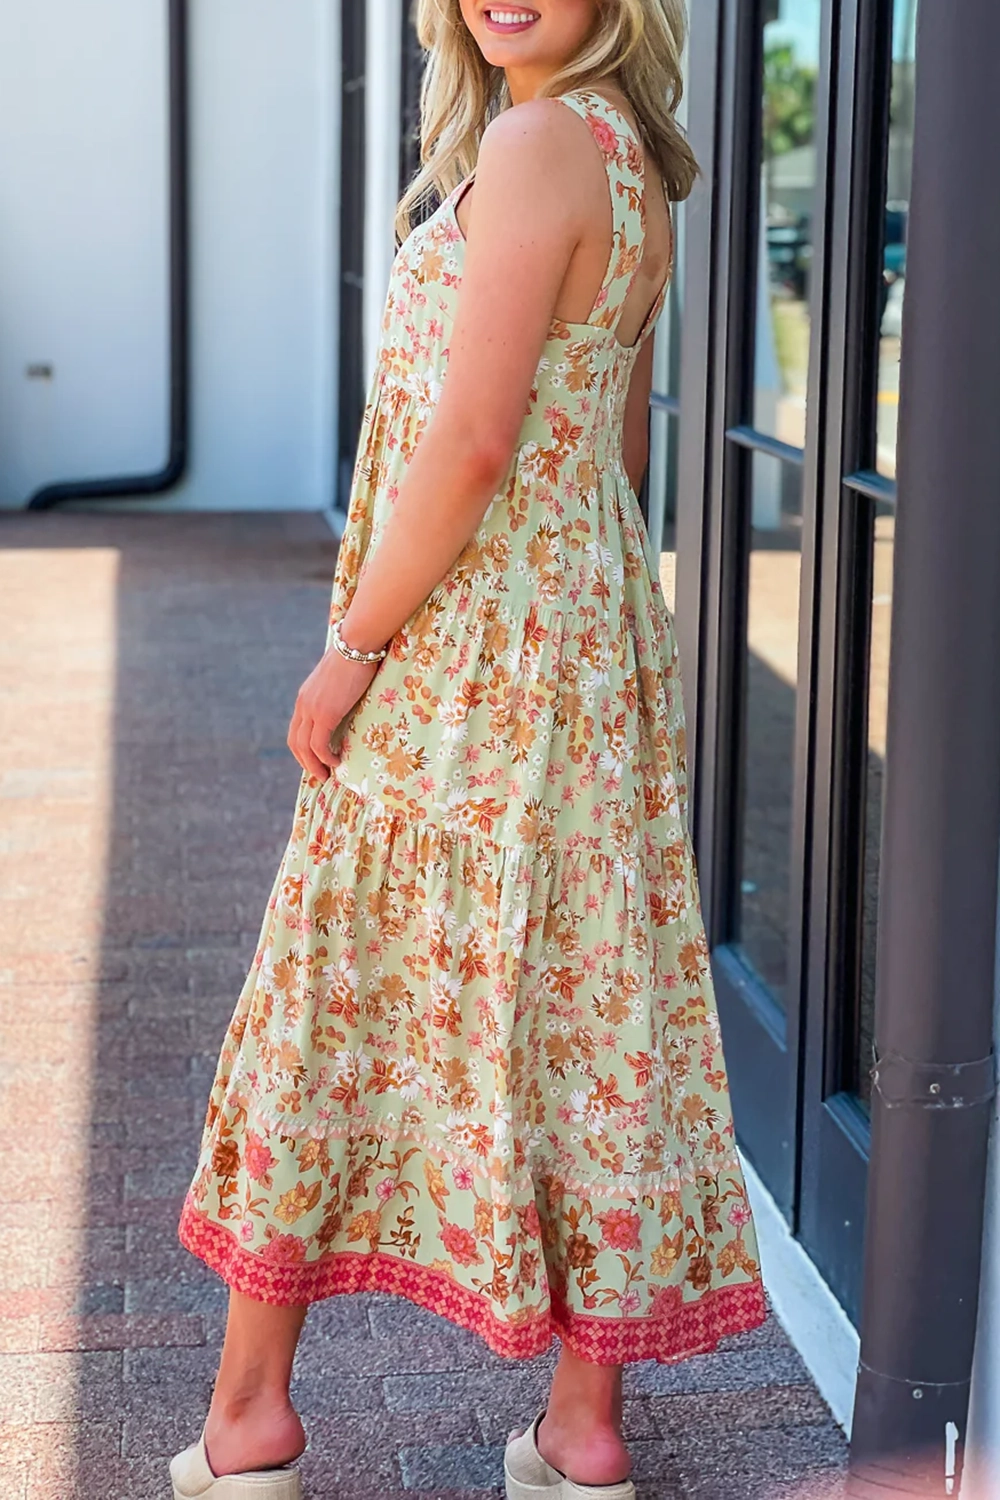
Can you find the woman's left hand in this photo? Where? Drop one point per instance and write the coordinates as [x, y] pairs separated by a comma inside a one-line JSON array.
[[326, 697]]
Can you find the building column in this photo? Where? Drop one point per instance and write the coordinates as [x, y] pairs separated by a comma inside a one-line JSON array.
[[934, 1077]]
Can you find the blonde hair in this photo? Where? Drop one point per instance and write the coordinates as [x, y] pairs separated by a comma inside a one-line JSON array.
[[637, 44]]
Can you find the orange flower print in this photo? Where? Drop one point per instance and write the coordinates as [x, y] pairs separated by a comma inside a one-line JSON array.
[[297, 1201], [580, 1251], [226, 1158], [365, 1226]]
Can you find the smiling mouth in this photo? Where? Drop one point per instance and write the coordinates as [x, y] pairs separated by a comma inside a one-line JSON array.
[[508, 22]]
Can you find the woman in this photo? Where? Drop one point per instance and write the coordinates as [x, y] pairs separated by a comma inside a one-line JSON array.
[[477, 1059]]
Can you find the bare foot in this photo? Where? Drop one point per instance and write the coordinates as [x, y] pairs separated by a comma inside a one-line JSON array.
[[264, 1433], [591, 1454]]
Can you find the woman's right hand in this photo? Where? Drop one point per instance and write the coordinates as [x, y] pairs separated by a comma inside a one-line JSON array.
[[324, 700]]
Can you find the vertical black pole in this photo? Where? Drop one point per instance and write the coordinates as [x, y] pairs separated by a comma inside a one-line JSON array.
[[935, 1073]]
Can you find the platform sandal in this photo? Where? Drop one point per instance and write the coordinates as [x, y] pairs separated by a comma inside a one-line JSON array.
[[193, 1479], [529, 1477]]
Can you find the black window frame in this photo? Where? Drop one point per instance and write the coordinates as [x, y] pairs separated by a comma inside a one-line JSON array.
[[793, 1077]]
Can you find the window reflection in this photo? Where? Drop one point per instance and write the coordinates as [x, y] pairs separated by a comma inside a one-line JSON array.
[[892, 271], [878, 714], [769, 736], [664, 434], [892, 285], [664, 426], [791, 39]]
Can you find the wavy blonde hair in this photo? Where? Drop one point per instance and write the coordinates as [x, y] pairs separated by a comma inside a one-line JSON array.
[[636, 43]]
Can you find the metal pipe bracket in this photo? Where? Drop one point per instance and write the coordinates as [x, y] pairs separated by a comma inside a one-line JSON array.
[[902, 1081]]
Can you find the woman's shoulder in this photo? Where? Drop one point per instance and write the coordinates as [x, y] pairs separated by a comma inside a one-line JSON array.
[[551, 140], [532, 125]]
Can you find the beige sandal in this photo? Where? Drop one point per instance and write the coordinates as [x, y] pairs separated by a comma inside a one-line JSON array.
[[529, 1477], [193, 1480]]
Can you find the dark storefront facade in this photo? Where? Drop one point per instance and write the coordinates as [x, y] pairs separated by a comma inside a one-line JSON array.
[[803, 112]]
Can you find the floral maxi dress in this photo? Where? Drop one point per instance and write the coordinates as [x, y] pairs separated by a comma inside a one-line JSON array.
[[477, 1059]]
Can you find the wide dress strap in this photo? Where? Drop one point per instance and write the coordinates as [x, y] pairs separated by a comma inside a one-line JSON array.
[[624, 162]]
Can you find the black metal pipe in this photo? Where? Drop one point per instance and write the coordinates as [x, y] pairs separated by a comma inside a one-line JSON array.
[[125, 486], [934, 1078]]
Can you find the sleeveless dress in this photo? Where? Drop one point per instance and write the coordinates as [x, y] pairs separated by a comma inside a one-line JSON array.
[[477, 1060]]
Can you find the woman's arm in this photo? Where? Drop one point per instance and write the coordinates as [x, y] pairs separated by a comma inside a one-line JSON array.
[[532, 204], [524, 228]]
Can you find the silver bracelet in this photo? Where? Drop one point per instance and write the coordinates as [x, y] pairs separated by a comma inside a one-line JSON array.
[[350, 652]]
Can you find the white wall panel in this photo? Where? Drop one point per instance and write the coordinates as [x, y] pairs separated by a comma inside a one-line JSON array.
[[84, 274], [84, 247], [264, 112]]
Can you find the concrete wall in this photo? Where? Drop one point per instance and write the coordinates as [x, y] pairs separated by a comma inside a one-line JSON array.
[[83, 241], [265, 142], [265, 202]]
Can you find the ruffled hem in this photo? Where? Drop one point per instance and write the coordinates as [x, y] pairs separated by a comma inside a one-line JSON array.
[[686, 1328]]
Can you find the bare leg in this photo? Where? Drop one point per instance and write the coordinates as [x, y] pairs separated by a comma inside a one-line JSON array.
[[252, 1423], [581, 1432]]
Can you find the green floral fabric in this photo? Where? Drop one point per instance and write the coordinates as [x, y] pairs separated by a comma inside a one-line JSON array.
[[477, 1059]]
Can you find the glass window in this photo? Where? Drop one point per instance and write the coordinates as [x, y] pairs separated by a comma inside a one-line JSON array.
[[768, 773], [664, 429], [892, 271], [891, 274], [878, 706], [664, 435], [791, 41]]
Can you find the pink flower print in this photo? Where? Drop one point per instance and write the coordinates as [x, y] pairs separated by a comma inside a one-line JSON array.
[[463, 1178], [620, 1228], [667, 1300], [629, 1303], [385, 1189], [246, 1231], [604, 134], [739, 1215], [257, 1157], [531, 1225], [285, 1250], [460, 1245]]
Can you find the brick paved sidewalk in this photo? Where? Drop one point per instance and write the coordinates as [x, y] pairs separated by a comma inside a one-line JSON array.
[[148, 665]]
